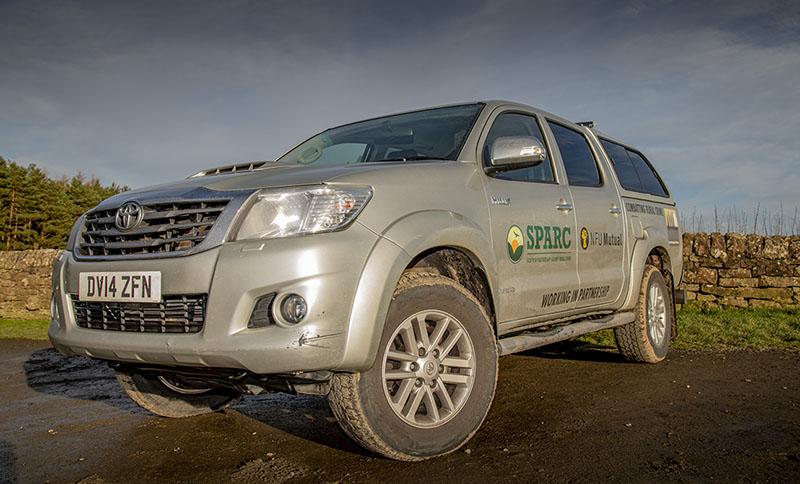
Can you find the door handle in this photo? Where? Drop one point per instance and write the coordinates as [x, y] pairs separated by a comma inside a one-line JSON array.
[[564, 207], [615, 210]]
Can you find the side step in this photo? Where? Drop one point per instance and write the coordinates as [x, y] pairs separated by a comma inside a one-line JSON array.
[[527, 341]]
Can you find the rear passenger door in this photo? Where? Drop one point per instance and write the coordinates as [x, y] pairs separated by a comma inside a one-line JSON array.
[[599, 220]]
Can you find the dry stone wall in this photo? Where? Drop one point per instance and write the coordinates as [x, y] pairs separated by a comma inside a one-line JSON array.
[[741, 270], [25, 288], [720, 270]]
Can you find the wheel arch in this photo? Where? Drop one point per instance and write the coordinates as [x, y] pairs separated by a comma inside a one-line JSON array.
[[658, 256], [643, 254], [443, 242], [463, 267]]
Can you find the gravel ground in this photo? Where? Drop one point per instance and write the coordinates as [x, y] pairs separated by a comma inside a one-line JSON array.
[[562, 414]]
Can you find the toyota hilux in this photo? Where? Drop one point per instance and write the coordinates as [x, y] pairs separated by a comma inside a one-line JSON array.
[[385, 263]]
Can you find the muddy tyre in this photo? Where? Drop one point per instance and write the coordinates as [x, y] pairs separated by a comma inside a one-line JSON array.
[[647, 338], [161, 396], [434, 377]]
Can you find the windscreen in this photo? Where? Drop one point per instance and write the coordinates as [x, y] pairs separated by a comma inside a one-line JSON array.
[[436, 134]]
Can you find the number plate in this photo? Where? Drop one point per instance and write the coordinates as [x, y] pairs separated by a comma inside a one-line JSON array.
[[120, 286]]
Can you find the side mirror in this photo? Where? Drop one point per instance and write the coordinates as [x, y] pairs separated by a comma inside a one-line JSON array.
[[515, 152]]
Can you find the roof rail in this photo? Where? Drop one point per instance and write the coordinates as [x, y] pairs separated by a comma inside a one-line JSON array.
[[588, 124]]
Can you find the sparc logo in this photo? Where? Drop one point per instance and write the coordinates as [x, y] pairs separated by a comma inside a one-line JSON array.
[[584, 238], [515, 244]]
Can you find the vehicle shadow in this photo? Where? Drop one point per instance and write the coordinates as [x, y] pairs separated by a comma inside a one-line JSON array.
[[305, 416], [8, 463], [578, 351], [77, 377], [82, 378]]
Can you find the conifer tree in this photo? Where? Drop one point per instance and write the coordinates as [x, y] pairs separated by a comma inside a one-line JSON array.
[[38, 212]]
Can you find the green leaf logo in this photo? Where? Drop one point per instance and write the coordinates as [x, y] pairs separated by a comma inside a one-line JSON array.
[[515, 243]]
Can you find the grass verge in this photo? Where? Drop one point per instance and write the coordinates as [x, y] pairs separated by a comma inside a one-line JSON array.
[[757, 329], [24, 328]]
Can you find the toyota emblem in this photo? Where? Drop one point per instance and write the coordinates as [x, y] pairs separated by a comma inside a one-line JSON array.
[[129, 216]]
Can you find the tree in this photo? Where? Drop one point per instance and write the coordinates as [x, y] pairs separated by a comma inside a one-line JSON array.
[[38, 212]]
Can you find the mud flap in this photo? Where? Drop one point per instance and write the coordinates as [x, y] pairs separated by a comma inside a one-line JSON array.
[[678, 297]]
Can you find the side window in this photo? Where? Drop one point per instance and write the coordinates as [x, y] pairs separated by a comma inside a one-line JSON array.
[[633, 171], [650, 181], [578, 159], [513, 124], [623, 166]]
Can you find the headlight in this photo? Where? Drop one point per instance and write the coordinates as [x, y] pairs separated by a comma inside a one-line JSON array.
[[73, 235], [297, 211]]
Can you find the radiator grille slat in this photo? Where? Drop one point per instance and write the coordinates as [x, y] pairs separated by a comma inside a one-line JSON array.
[[165, 228], [176, 314], [147, 230]]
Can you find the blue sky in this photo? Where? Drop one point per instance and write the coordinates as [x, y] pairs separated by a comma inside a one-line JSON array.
[[140, 92]]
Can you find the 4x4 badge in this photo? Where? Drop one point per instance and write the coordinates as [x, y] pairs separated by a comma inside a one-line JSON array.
[[515, 243], [129, 216]]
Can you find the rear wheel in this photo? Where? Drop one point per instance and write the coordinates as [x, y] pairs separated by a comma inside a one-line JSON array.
[[433, 381], [647, 338], [167, 396]]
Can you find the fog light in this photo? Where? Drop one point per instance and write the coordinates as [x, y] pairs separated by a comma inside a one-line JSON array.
[[294, 308]]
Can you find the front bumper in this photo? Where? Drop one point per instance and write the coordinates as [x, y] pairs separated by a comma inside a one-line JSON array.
[[325, 269]]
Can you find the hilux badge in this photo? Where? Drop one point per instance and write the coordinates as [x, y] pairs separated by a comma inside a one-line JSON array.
[[129, 216]]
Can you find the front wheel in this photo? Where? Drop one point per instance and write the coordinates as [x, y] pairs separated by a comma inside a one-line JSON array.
[[647, 338], [167, 396], [433, 381]]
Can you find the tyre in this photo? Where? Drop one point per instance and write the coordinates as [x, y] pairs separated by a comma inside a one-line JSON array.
[[165, 396], [434, 377], [647, 338]]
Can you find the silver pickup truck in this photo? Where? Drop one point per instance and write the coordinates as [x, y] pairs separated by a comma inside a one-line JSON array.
[[386, 263]]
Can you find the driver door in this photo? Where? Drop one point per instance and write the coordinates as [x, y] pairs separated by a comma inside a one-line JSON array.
[[533, 229]]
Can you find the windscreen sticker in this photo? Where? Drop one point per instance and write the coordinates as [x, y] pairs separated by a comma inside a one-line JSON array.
[[633, 207], [540, 243], [574, 295]]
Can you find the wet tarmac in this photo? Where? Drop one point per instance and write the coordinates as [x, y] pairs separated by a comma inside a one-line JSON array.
[[562, 414]]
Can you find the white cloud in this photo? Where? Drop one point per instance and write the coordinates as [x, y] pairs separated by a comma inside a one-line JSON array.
[[141, 94]]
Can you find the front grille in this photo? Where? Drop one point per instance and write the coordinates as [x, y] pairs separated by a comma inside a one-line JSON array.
[[164, 228], [176, 314]]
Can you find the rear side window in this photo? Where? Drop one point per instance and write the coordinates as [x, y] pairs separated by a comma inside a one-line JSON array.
[[650, 181], [633, 171], [623, 165], [578, 159]]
